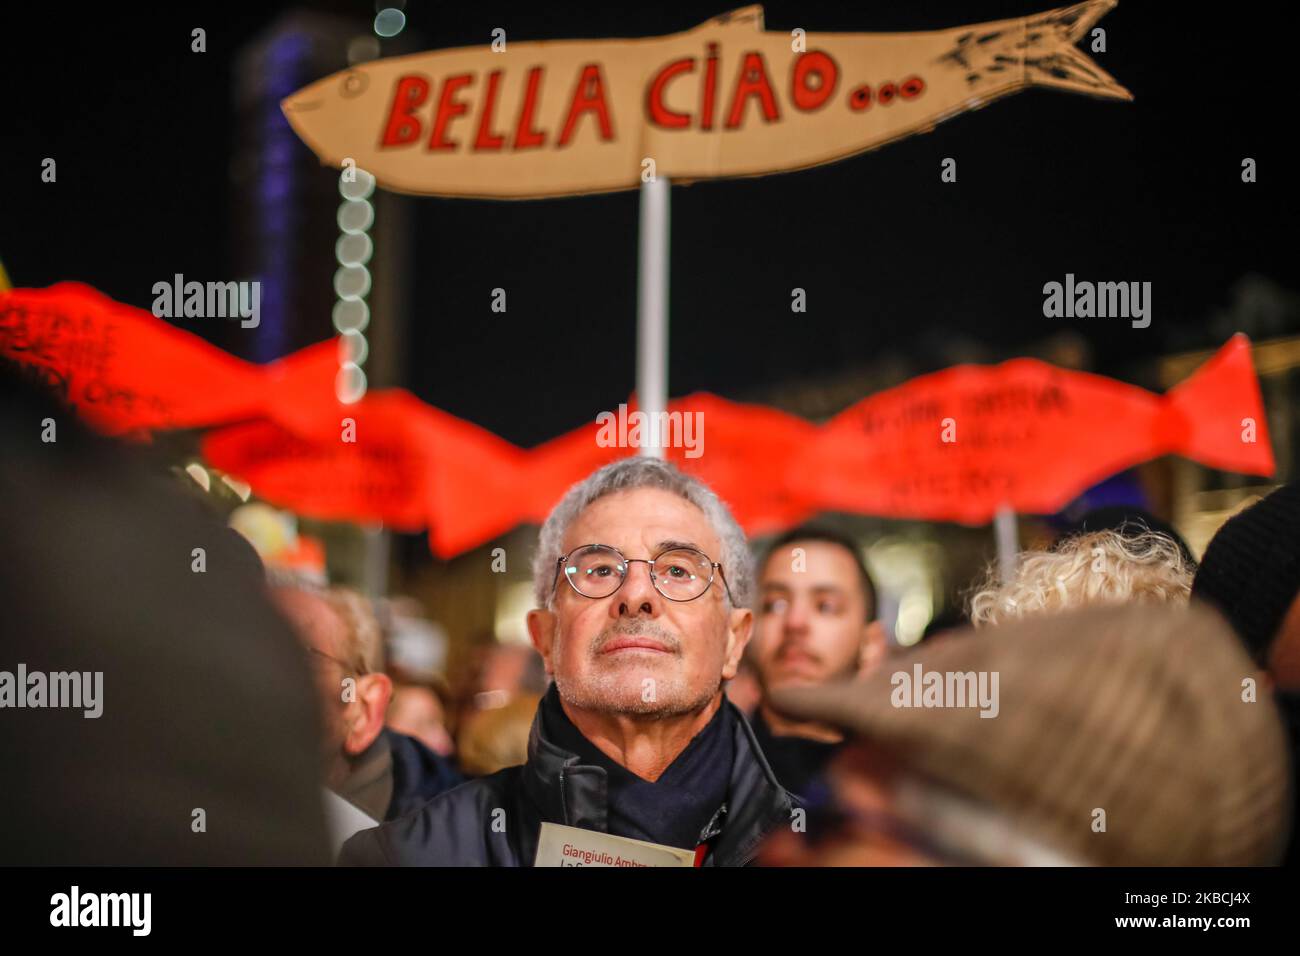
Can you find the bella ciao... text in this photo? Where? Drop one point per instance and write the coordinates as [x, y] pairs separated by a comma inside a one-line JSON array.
[[722, 102]]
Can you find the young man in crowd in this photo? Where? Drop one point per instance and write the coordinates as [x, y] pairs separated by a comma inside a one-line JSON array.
[[816, 623]]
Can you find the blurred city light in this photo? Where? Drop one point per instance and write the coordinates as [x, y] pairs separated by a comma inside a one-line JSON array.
[[356, 215], [350, 383], [389, 22], [351, 315]]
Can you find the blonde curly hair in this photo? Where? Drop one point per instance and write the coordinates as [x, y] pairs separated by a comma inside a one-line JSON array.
[[1099, 567]]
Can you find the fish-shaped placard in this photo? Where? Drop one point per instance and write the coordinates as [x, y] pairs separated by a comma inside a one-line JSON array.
[[959, 444], [126, 371], [955, 445], [728, 98]]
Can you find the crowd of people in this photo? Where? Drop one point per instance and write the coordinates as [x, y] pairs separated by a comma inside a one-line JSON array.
[[1111, 702]]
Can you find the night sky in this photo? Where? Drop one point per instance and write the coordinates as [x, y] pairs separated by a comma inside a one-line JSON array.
[[893, 260]]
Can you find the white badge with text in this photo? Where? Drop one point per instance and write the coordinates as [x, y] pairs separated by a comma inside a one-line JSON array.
[[559, 845]]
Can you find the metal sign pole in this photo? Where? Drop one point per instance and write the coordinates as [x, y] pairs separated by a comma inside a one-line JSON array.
[[652, 311], [1004, 530]]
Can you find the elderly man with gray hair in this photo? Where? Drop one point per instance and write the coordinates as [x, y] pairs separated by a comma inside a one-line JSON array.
[[368, 767], [636, 758]]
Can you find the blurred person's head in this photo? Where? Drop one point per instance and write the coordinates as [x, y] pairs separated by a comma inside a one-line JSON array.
[[507, 670], [816, 611], [497, 737], [1121, 736], [1094, 568], [1129, 521], [1251, 572], [613, 639], [417, 710], [204, 748], [345, 645]]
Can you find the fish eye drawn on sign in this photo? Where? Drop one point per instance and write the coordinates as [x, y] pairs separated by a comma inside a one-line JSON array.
[[726, 99]]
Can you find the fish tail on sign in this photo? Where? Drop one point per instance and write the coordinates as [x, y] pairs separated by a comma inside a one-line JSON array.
[[1217, 415], [1059, 63], [1043, 48]]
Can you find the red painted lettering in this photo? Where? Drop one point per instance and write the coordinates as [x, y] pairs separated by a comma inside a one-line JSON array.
[[710, 87], [448, 108], [661, 115], [807, 94], [588, 97], [402, 127], [525, 136], [752, 81], [487, 140]]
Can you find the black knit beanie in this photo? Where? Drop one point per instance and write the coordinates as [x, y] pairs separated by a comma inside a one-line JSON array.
[[1251, 569]]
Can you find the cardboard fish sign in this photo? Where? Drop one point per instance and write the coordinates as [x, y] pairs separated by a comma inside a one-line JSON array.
[[554, 118], [958, 444]]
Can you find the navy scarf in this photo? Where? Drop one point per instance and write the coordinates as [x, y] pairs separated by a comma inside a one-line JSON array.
[[675, 809]]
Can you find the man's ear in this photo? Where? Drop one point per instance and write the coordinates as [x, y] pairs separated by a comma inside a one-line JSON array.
[[364, 717], [541, 631], [875, 645], [740, 627]]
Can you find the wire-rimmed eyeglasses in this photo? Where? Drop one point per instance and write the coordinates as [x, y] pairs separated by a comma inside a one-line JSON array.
[[678, 573]]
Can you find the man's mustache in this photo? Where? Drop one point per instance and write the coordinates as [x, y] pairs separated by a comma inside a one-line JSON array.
[[637, 628]]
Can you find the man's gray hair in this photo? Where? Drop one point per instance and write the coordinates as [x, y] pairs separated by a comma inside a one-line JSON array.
[[629, 474]]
